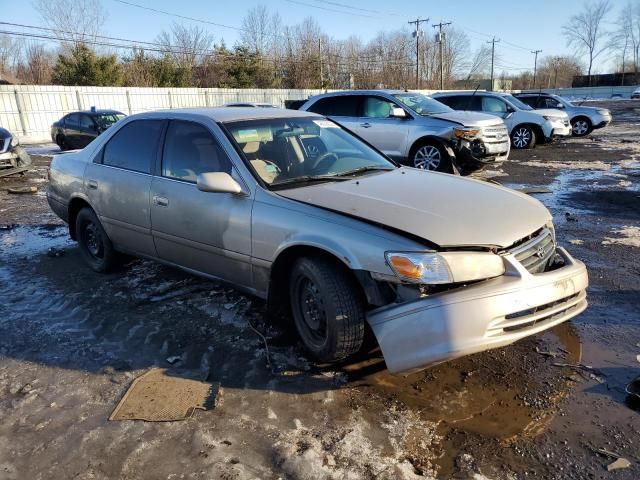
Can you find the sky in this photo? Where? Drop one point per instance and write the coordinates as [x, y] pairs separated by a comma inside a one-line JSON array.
[[520, 30]]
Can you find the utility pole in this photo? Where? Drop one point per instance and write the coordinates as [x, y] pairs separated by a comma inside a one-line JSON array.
[[417, 23], [493, 56], [441, 42], [321, 69], [535, 66]]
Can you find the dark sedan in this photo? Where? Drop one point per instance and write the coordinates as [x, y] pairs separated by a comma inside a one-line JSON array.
[[78, 129]]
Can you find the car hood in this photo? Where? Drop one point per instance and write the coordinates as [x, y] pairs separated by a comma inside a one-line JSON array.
[[580, 108], [469, 119], [440, 208], [552, 112]]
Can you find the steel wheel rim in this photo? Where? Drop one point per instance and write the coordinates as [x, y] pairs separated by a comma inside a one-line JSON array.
[[311, 311], [522, 138], [580, 127], [427, 157], [93, 240]]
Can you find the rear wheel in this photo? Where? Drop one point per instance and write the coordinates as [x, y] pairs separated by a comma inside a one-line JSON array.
[[328, 310], [430, 156], [62, 142], [523, 137], [95, 246], [581, 126]]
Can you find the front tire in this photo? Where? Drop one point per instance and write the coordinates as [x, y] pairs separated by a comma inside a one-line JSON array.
[[95, 246], [523, 137], [327, 307], [62, 143], [430, 156], [581, 127]]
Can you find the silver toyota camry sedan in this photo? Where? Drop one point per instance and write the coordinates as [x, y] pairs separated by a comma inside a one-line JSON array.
[[293, 208]]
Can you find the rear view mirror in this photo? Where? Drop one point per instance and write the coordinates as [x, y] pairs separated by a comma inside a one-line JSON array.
[[397, 112], [218, 182]]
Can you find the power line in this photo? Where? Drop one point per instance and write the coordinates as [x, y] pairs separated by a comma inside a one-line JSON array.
[[297, 2], [350, 7]]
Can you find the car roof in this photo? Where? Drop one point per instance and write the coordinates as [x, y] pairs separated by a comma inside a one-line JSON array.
[[361, 92], [226, 114], [104, 111], [470, 92]]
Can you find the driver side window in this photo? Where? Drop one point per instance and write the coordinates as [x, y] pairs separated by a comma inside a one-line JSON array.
[[493, 105], [375, 107], [189, 150]]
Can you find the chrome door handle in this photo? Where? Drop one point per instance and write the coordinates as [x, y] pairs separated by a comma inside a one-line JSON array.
[[92, 184], [161, 201], [365, 125]]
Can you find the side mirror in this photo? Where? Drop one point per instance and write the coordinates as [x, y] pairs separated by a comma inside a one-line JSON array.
[[397, 112], [217, 182], [559, 105]]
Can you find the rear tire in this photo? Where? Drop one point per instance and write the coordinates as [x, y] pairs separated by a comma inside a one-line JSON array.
[[62, 143], [581, 127], [430, 156], [95, 246], [523, 137], [327, 307]]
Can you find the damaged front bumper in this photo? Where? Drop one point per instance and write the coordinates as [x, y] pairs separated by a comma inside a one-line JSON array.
[[478, 317]]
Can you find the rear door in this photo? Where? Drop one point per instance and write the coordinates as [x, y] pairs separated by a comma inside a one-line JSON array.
[[71, 130], [118, 184], [379, 128], [87, 130], [203, 231]]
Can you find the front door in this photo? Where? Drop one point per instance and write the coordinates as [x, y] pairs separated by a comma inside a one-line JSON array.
[[118, 184], [203, 231], [377, 126]]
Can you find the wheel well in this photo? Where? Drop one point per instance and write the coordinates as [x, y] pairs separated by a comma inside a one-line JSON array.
[[426, 140], [581, 117], [75, 206], [278, 295]]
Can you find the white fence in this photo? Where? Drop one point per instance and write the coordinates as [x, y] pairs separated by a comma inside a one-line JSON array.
[[28, 110]]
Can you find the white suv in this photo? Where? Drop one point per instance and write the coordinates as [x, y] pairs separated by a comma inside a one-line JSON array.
[[526, 125]]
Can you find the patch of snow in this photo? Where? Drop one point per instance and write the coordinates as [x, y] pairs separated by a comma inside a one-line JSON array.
[[629, 236]]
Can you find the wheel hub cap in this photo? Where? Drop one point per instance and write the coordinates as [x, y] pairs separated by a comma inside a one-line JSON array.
[[521, 138], [427, 158], [312, 310], [92, 240], [580, 127]]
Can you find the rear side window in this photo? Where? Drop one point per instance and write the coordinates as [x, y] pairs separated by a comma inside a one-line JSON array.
[[461, 102], [339, 106], [531, 101], [189, 150], [86, 121], [134, 146]]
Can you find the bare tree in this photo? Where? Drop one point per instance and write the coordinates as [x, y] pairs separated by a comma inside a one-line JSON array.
[[585, 33], [260, 30], [74, 21], [186, 45], [480, 63], [36, 68]]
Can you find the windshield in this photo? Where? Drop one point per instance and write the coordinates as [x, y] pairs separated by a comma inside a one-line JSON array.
[[421, 104], [105, 120], [562, 100], [517, 103], [293, 151]]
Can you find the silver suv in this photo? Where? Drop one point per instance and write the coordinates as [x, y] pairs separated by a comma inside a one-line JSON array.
[[583, 119], [526, 125], [413, 128]]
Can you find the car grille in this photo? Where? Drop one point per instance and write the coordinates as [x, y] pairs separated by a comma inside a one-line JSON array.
[[536, 253], [498, 132]]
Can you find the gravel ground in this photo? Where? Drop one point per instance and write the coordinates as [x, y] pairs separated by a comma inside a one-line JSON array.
[[71, 342]]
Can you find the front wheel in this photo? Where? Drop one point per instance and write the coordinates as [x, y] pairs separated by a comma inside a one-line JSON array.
[[62, 143], [430, 156], [95, 246], [328, 310], [581, 127], [523, 137]]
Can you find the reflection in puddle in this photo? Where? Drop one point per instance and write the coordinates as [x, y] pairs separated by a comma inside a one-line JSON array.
[[30, 240]]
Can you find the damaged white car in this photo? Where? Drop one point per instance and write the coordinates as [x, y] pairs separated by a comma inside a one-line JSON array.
[[293, 208], [13, 158]]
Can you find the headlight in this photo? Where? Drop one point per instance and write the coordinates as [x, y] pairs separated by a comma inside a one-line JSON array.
[[466, 132], [14, 142], [603, 112], [551, 118], [444, 267]]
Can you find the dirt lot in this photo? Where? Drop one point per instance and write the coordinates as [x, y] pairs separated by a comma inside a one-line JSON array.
[[71, 342]]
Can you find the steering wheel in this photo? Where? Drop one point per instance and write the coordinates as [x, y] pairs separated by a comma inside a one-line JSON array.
[[329, 158]]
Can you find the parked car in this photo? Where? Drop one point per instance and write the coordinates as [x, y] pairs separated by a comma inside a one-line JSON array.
[[438, 265], [13, 158], [415, 129], [583, 119], [526, 125], [635, 94], [78, 129], [250, 104]]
